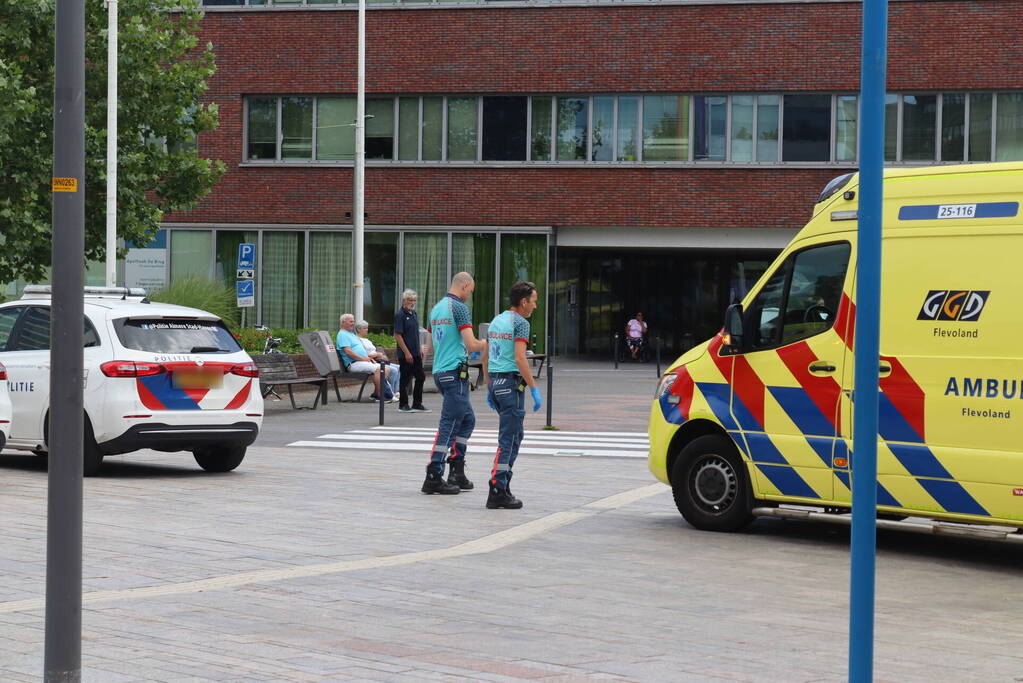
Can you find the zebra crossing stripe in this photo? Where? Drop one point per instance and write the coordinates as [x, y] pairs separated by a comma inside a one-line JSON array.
[[595, 444]]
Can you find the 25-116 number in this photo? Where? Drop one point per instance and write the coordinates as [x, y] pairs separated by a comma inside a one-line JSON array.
[[957, 210]]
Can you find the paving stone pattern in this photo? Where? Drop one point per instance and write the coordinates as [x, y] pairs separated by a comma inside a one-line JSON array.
[[626, 593]]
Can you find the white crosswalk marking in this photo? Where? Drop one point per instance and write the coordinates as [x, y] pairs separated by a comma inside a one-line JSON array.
[[558, 443]]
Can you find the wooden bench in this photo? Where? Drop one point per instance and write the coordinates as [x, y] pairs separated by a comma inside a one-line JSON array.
[[366, 376], [279, 369]]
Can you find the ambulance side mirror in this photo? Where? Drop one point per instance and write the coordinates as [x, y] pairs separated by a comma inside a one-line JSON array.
[[733, 329]]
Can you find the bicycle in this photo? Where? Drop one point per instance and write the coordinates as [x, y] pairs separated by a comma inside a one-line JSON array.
[[270, 347]]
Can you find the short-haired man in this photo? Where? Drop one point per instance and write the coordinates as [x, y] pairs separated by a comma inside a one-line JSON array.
[[410, 353], [353, 354], [508, 376], [450, 326]]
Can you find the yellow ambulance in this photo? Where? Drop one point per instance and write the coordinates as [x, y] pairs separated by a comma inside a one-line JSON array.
[[761, 414]]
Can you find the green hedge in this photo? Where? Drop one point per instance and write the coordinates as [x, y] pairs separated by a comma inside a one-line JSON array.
[[252, 340]]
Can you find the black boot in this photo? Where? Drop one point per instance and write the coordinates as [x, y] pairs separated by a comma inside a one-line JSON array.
[[456, 475], [435, 483], [502, 498]]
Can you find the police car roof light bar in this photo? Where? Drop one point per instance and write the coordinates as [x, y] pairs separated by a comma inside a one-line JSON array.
[[44, 291]]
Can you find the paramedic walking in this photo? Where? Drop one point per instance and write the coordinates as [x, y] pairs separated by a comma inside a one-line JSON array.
[[451, 335], [508, 376]]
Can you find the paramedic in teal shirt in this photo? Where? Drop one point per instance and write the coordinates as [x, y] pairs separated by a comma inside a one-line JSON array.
[[508, 376], [451, 336]]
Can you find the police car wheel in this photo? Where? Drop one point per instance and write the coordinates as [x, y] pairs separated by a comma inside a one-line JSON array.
[[219, 459], [92, 456], [710, 485]]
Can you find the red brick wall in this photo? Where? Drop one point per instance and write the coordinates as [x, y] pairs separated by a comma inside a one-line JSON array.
[[934, 45]]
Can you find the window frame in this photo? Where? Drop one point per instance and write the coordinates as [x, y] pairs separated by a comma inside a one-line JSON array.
[[788, 262]]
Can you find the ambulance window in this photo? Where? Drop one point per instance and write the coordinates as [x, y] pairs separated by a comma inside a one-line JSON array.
[[815, 290], [765, 308], [8, 317]]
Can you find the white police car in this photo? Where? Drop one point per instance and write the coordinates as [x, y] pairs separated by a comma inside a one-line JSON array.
[[157, 376], [5, 406]]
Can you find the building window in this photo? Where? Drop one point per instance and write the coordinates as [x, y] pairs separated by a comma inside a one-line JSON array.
[[807, 128], [1009, 131], [524, 257], [190, 252], [476, 254], [665, 128], [573, 127], [262, 128], [710, 123], [425, 267], [540, 128], [335, 128], [330, 278], [504, 128], [282, 278], [606, 129], [297, 128]]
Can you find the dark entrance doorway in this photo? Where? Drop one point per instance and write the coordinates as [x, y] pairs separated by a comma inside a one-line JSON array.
[[683, 294]]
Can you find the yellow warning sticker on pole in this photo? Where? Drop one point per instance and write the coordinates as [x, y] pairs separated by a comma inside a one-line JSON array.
[[65, 184]]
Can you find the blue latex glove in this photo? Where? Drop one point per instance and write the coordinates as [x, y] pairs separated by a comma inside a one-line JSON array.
[[490, 402], [537, 402]]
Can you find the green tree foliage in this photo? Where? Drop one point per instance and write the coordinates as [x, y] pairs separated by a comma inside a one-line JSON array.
[[162, 75]]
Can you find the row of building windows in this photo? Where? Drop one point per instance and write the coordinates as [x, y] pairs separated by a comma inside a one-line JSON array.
[[741, 128], [304, 277]]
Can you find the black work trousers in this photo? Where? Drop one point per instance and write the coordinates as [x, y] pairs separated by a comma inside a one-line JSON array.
[[410, 371]]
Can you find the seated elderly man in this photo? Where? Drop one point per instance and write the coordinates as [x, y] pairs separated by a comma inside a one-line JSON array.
[[392, 372], [354, 355]]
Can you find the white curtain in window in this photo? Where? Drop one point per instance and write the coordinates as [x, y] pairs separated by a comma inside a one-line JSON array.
[[282, 279], [426, 267]]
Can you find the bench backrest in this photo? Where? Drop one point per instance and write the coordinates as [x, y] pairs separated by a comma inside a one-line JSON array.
[[274, 366], [305, 367]]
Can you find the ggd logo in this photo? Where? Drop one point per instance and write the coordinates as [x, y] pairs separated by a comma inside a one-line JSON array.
[[953, 304]]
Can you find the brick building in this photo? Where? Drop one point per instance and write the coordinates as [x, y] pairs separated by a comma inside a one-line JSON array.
[[646, 156]]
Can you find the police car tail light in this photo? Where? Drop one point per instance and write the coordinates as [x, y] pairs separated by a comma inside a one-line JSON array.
[[245, 370], [127, 368], [3, 371]]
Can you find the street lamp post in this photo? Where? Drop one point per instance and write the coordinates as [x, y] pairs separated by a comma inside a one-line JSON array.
[[358, 228], [111, 264]]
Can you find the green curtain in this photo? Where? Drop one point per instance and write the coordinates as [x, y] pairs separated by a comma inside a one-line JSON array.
[[330, 279], [476, 254], [283, 275], [426, 266], [225, 268], [524, 257], [190, 253], [1009, 128]]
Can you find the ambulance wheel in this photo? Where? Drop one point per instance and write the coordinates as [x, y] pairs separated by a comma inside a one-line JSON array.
[[219, 459], [711, 486]]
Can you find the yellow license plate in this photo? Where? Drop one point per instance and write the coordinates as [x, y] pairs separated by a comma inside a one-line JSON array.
[[197, 380]]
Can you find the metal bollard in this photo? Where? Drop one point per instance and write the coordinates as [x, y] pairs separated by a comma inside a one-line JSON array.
[[614, 350], [550, 381], [380, 393], [657, 354]]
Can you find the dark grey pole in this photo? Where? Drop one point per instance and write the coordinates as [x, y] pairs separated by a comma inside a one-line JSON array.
[[657, 352], [614, 349], [63, 649]]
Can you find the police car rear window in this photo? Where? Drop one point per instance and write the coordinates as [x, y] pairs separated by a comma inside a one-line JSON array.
[[176, 336]]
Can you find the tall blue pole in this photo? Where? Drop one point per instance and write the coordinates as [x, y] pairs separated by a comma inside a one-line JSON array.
[[867, 343]]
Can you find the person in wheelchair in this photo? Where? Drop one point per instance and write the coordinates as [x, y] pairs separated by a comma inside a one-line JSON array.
[[635, 337]]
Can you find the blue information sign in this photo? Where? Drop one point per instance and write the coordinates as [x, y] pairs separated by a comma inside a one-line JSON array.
[[246, 255], [245, 292]]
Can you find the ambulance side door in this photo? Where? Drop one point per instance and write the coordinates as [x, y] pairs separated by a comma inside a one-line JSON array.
[[786, 385]]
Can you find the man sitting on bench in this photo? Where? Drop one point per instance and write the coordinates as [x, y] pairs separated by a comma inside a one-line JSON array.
[[356, 359]]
